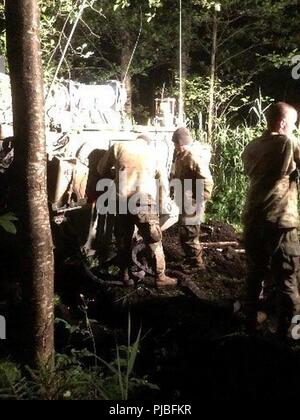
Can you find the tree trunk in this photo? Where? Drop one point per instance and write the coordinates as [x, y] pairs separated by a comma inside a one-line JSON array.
[[30, 167], [210, 123], [186, 64], [125, 75], [185, 52], [185, 69]]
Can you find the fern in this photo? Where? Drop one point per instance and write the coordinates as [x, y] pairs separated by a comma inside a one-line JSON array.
[[70, 379]]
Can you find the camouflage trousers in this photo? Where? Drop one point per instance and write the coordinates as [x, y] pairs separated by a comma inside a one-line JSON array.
[[149, 228], [274, 253], [190, 239]]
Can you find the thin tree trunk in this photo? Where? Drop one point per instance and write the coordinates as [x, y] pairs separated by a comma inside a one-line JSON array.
[[30, 166], [125, 75], [210, 123], [185, 33], [186, 65]]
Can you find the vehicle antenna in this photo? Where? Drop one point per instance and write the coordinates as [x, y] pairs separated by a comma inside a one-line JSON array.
[[135, 48], [67, 46]]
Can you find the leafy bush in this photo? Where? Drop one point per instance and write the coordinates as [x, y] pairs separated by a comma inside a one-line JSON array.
[[79, 375], [70, 379], [228, 100]]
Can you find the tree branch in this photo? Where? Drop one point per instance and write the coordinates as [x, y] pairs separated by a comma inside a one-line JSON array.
[[236, 55], [62, 33], [101, 56], [90, 29], [229, 22], [99, 12], [234, 34]]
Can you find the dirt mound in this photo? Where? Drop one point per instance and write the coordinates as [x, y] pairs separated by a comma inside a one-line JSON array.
[[227, 260], [219, 232], [172, 245]]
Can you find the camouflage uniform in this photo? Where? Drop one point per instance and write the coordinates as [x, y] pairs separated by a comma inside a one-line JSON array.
[[142, 172], [271, 221], [149, 228], [193, 165]]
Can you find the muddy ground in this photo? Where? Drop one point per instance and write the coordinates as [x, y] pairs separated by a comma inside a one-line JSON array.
[[191, 348], [225, 265]]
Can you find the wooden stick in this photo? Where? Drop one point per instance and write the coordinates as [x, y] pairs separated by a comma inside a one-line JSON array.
[[219, 244]]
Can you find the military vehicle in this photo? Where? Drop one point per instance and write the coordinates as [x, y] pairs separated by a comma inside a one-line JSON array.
[[82, 122]]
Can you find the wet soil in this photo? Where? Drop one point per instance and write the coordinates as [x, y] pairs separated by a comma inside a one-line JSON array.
[[225, 266]]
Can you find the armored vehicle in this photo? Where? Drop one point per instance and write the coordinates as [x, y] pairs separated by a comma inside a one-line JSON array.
[[82, 122]]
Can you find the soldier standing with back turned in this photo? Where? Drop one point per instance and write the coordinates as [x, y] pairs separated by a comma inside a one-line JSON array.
[[191, 168], [271, 216], [137, 173]]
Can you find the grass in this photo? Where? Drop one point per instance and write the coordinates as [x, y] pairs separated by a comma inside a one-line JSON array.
[[78, 374]]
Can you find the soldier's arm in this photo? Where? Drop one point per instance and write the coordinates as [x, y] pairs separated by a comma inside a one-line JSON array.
[[297, 152], [164, 185], [106, 164], [208, 189], [202, 171]]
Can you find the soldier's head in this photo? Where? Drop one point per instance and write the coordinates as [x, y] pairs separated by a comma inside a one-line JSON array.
[[182, 138], [282, 118]]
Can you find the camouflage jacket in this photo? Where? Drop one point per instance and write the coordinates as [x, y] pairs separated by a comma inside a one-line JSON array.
[[191, 168], [136, 170], [194, 165], [271, 163]]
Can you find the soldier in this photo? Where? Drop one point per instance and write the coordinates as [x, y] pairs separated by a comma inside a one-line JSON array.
[[191, 167], [136, 176], [271, 216]]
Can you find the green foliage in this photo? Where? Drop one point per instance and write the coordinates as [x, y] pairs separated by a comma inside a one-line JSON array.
[[230, 138], [251, 39], [76, 376], [259, 108], [280, 60], [229, 98], [7, 222], [9, 373], [67, 380], [114, 271], [228, 173], [254, 39], [13, 386]]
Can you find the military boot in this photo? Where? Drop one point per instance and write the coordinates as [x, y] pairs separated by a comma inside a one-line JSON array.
[[165, 281], [193, 265], [125, 279]]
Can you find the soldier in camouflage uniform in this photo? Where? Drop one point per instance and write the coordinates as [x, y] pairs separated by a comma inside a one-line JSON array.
[[136, 174], [271, 215], [191, 167]]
